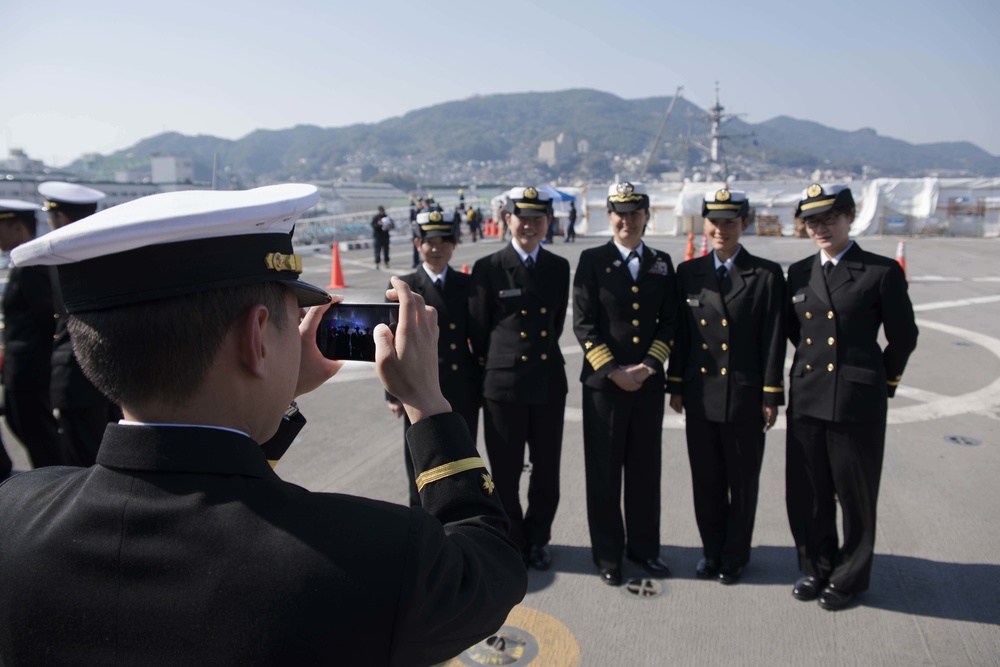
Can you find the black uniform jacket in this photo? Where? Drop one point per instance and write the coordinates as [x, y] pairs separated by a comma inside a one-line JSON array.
[[458, 370], [517, 317], [621, 322], [840, 373], [182, 547], [70, 388], [28, 327], [730, 355]]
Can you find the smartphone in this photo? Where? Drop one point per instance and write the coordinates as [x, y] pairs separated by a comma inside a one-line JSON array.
[[346, 329]]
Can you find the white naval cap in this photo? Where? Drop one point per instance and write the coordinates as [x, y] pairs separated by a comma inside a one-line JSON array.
[[528, 202], [61, 192], [725, 204], [17, 205], [816, 199], [436, 223], [178, 243], [624, 197]]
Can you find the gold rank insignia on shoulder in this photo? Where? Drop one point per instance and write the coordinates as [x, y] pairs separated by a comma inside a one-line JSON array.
[[488, 484], [722, 195], [435, 216], [278, 262], [815, 190], [530, 193]]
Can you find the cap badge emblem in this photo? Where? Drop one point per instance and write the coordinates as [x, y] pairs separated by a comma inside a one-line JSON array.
[[436, 216], [722, 195], [625, 189], [278, 262], [530, 193], [815, 190]]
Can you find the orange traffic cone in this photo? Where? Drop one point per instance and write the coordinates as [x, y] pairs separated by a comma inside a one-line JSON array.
[[704, 245], [689, 252], [336, 275], [901, 257], [465, 268]]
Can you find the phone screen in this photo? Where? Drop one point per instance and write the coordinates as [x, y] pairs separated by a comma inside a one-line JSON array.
[[346, 330]]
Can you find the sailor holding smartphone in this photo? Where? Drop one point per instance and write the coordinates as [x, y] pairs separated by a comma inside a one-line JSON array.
[[181, 545], [447, 291]]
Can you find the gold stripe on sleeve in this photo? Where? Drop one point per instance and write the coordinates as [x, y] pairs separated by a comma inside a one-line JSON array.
[[599, 356], [447, 470]]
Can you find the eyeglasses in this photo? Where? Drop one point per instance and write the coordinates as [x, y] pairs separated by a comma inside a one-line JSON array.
[[826, 221]]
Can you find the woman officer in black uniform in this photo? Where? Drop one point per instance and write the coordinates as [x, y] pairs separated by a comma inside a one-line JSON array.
[[841, 380]]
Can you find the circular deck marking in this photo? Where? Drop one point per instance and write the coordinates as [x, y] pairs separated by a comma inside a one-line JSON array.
[[526, 635], [643, 589]]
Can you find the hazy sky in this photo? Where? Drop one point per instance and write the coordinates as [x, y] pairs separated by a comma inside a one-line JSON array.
[[98, 76]]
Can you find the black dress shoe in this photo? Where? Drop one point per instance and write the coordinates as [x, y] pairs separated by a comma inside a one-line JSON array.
[[654, 567], [707, 568], [808, 588], [612, 576], [729, 574], [540, 558], [834, 600]]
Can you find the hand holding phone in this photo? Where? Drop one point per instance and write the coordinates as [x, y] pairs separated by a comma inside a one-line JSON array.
[[346, 330], [407, 361]]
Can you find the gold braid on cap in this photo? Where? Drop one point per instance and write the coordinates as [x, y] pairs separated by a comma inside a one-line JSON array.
[[278, 262], [626, 192]]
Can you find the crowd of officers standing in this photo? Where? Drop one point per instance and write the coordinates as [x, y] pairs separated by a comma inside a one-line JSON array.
[[708, 338]]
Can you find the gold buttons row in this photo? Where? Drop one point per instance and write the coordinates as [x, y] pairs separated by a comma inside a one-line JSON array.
[[543, 334], [725, 323], [829, 367], [541, 310], [829, 315], [829, 341], [725, 347], [543, 357], [722, 371]]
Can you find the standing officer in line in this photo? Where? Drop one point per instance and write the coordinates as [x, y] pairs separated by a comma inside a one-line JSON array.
[[517, 311], [181, 545], [726, 373], [28, 327], [447, 291], [841, 380], [82, 411], [625, 317]]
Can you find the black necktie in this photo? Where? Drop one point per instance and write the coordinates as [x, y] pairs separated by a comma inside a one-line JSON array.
[[529, 263], [828, 269], [439, 285], [723, 275]]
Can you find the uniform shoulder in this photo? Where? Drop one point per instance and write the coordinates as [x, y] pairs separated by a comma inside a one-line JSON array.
[[802, 264], [878, 260], [768, 265]]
